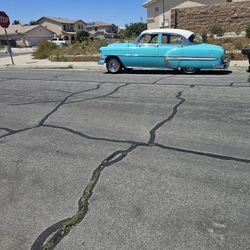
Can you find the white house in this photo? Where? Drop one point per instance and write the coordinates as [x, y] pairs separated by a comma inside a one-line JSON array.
[[158, 11], [26, 36]]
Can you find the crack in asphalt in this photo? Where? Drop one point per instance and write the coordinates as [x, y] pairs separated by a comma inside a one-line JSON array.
[[8, 130], [115, 157], [132, 83], [63, 227], [152, 132], [46, 117], [31, 103], [99, 97], [207, 154], [64, 102], [155, 82], [13, 132], [81, 134], [61, 103], [112, 159]]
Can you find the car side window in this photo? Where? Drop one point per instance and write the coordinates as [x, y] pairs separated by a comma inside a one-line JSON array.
[[175, 39], [149, 39], [171, 39]]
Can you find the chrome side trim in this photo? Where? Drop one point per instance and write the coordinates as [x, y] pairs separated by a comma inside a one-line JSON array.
[[168, 65], [191, 58], [182, 58], [136, 55], [167, 59]]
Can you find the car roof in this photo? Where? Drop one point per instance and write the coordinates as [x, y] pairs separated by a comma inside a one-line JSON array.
[[185, 33]]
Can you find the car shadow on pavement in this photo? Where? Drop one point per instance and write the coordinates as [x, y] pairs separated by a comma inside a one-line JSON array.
[[172, 72]]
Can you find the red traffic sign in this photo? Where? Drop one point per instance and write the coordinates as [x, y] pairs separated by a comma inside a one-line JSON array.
[[4, 20]]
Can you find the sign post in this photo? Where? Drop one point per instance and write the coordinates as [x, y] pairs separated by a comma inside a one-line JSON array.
[[5, 23]]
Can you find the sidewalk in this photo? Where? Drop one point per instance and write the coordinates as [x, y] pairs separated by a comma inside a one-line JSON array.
[[26, 61]]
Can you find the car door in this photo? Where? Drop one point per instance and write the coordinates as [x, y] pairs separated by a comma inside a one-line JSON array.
[[144, 52], [192, 57], [170, 50]]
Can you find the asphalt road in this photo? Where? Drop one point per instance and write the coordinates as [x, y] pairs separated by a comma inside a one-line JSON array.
[[140, 160]]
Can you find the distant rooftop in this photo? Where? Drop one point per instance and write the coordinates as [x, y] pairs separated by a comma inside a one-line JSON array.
[[146, 4], [98, 24], [61, 20], [18, 29]]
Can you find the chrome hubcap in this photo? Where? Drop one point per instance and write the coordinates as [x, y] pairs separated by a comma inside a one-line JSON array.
[[190, 70], [113, 65]]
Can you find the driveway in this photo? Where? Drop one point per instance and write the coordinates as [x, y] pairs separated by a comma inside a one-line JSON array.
[[140, 160]]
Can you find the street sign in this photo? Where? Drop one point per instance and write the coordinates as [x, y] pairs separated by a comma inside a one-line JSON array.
[[5, 23], [4, 20]]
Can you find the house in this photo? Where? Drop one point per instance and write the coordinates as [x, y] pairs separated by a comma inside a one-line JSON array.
[[102, 30], [159, 11], [63, 27], [26, 36]]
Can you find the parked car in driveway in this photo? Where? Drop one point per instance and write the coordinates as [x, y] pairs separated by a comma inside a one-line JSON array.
[[164, 48], [59, 41]]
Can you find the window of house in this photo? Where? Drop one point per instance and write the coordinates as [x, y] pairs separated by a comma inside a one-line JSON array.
[[156, 9], [149, 38], [96, 29]]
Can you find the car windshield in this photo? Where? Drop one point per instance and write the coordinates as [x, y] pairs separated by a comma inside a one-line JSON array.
[[195, 39]]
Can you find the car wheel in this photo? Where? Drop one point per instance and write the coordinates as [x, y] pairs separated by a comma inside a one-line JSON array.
[[114, 65], [190, 70]]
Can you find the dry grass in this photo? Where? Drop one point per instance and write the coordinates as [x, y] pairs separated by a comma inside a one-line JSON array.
[[232, 46], [79, 51]]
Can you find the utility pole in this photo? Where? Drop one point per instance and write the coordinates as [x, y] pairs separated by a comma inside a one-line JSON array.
[[163, 12], [8, 46]]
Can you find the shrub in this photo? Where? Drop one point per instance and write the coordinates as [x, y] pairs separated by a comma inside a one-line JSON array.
[[82, 35], [44, 50], [217, 31], [204, 37], [240, 43], [248, 31]]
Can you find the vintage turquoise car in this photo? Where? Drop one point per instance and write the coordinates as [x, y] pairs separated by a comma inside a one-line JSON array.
[[164, 48]]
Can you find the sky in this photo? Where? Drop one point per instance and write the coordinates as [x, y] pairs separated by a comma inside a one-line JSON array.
[[119, 12]]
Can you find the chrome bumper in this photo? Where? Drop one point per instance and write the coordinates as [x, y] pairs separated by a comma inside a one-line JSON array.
[[101, 62], [224, 65]]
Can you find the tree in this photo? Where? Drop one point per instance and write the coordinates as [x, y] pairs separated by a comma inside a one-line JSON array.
[[15, 22], [82, 35], [133, 29], [32, 22]]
